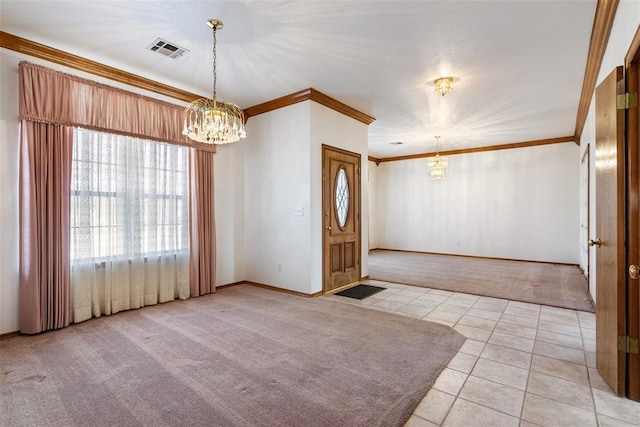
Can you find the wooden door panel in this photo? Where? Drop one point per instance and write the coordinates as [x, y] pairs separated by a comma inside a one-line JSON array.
[[350, 255], [341, 217], [610, 292], [336, 258]]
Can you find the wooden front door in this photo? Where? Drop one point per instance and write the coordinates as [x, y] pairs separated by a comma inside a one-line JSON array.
[[633, 223], [341, 218], [608, 241]]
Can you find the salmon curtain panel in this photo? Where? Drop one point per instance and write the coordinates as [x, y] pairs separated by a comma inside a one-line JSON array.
[[45, 177], [202, 224], [51, 104]]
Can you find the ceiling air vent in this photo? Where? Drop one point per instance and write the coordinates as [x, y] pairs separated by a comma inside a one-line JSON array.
[[167, 49]]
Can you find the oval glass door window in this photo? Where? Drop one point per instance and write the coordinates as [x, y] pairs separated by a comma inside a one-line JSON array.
[[342, 197]]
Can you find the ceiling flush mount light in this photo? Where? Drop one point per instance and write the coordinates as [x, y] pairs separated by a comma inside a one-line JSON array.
[[437, 165], [443, 85], [213, 121]]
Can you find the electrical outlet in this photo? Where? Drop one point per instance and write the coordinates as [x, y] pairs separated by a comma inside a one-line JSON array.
[[279, 266], [298, 212]]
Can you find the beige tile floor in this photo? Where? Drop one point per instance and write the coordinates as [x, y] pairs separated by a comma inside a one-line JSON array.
[[522, 364]]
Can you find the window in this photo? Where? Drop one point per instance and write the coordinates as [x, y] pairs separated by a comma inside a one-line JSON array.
[[342, 197], [129, 198]]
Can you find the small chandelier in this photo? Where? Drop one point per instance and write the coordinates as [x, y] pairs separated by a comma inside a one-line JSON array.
[[213, 121], [443, 85], [437, 165]]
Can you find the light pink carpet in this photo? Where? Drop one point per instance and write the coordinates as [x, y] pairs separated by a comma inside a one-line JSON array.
[[539, 283], [244, 356]]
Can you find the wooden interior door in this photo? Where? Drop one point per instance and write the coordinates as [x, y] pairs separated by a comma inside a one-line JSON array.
[[341, 218], [633, 220], [609, 234]]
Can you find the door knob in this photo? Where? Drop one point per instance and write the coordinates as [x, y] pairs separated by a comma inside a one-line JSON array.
[[634, 271], [328, 228], [595, 242]]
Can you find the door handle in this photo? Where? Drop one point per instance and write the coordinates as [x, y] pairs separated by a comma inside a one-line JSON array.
[[634, 271], [328, 228], [595, 242]]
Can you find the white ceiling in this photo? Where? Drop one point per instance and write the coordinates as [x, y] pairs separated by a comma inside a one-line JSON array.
[[518, 65]]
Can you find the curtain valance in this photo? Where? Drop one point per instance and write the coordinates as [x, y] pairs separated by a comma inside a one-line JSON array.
[[49, 96]]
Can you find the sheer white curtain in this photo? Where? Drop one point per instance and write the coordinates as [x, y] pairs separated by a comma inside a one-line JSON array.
[[129, 224]]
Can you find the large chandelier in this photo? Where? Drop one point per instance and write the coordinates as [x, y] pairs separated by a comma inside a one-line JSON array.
[[437, 165], [443, 85], [213, 121]]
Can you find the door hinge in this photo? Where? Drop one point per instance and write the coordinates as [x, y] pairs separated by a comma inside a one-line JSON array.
[[627, 100], [628, 345]]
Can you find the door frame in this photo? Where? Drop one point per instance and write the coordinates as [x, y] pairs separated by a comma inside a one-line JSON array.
[[586, 161], [632, 213], [357, 202]]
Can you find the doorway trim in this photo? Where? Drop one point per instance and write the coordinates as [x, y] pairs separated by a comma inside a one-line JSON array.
[[585, 171]]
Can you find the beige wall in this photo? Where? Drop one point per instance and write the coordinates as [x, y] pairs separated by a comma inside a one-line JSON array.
[[519, 203], [9, 133], [277, 181]]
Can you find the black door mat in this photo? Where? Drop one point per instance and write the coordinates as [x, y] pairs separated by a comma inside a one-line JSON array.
[[360, 291]]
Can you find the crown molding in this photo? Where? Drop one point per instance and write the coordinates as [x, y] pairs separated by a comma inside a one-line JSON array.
[[312, 95], [602, 24], [525, 144], [37, 50], [274, 104], [374, 159]]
